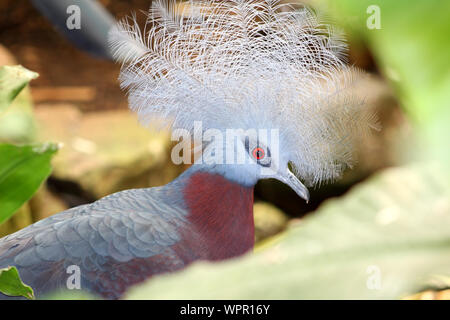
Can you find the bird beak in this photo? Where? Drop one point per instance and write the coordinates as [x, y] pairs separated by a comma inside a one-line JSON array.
[[292, 181]]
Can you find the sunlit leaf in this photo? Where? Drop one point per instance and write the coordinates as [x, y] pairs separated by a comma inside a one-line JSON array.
[[70, 295]]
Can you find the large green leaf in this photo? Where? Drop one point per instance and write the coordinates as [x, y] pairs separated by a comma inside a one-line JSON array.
[[12, 80], [22, 170], [12, 285], [382, 240]]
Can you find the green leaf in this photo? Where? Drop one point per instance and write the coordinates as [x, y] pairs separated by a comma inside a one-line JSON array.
[[12, 80], [22, 170], [384, 239], [12, 285]]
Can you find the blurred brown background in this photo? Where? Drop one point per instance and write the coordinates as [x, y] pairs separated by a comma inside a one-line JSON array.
[[66, 73]]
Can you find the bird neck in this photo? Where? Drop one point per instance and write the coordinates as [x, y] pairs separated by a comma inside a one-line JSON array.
[[220, 215]]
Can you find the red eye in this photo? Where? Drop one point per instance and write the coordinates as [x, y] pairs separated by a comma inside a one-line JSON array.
[[258, 153]]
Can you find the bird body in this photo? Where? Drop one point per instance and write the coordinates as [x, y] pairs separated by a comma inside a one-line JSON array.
[[249, 66], [131, 235]]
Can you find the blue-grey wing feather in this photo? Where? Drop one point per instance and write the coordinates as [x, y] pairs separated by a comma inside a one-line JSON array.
[[120, 227]]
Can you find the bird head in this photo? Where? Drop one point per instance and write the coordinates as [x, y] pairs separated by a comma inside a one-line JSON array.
[[246, 156], [273, 75]]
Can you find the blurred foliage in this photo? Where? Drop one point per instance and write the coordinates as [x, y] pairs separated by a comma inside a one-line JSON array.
[[388, 235], [12, 285], [16, 118], [411, 49], [12, 80]]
